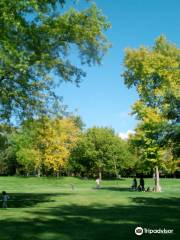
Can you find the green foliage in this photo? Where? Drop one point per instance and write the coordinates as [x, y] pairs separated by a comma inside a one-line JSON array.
[[100, 150], [36, 39], [78, 122], [55, 146], [24, 145], [7, 157], [44, 144], [155, 72]]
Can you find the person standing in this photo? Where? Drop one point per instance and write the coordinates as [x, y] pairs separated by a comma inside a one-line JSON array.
[[142, 183], [5, 198]]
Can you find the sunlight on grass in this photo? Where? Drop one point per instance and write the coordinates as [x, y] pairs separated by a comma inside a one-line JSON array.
[[48, 208]]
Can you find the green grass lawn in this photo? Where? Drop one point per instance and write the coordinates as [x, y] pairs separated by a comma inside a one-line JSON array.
[[49, 209]]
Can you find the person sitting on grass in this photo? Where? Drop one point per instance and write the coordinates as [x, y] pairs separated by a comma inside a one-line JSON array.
[[5, 198], [134, 184]]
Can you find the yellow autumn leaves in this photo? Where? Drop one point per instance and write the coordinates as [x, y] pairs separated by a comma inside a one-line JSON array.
[[45, 144], [59, 138]]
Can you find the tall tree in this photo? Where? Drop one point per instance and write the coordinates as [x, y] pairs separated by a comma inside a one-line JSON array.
[[36, 38], [155, 72], [147, 143]]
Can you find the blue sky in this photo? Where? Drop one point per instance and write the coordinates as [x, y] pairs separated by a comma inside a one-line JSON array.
[[103, 99]]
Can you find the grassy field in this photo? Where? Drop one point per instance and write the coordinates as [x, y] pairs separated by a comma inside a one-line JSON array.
[[49, 209]]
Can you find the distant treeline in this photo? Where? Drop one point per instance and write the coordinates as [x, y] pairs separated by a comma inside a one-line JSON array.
[[61, 146]]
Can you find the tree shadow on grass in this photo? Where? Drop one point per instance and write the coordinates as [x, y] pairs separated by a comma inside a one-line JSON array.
[[24, 200], [161, 202], [117, 189], [95, 222]]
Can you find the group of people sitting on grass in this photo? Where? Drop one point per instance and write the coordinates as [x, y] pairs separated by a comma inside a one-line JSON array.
[[140, 187]]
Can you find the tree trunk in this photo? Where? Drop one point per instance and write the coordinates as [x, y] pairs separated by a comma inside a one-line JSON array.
[[100, 175], [157, 184], [39, 172], [116, 172], [57, 174], [17, 172]]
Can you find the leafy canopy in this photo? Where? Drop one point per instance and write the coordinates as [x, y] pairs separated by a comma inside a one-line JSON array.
[[155, 72], [44, 143], [100, 150], [36, 38]]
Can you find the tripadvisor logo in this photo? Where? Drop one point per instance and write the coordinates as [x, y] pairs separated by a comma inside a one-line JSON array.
[[139, 231]]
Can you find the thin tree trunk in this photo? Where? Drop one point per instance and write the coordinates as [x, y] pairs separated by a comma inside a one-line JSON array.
[[57, 174], [100, 175], [157, 184], [115, 170], [17, 172], [39, 172]]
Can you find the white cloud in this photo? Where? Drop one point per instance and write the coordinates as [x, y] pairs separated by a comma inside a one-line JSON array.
[[125, 135]]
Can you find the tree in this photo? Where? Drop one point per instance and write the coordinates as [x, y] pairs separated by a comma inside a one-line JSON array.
[[77, 121], [145, 142], [36, 39], [24, 142], [8, 163], [60, 137], [44, 144], [100, 150], [155, 74]]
